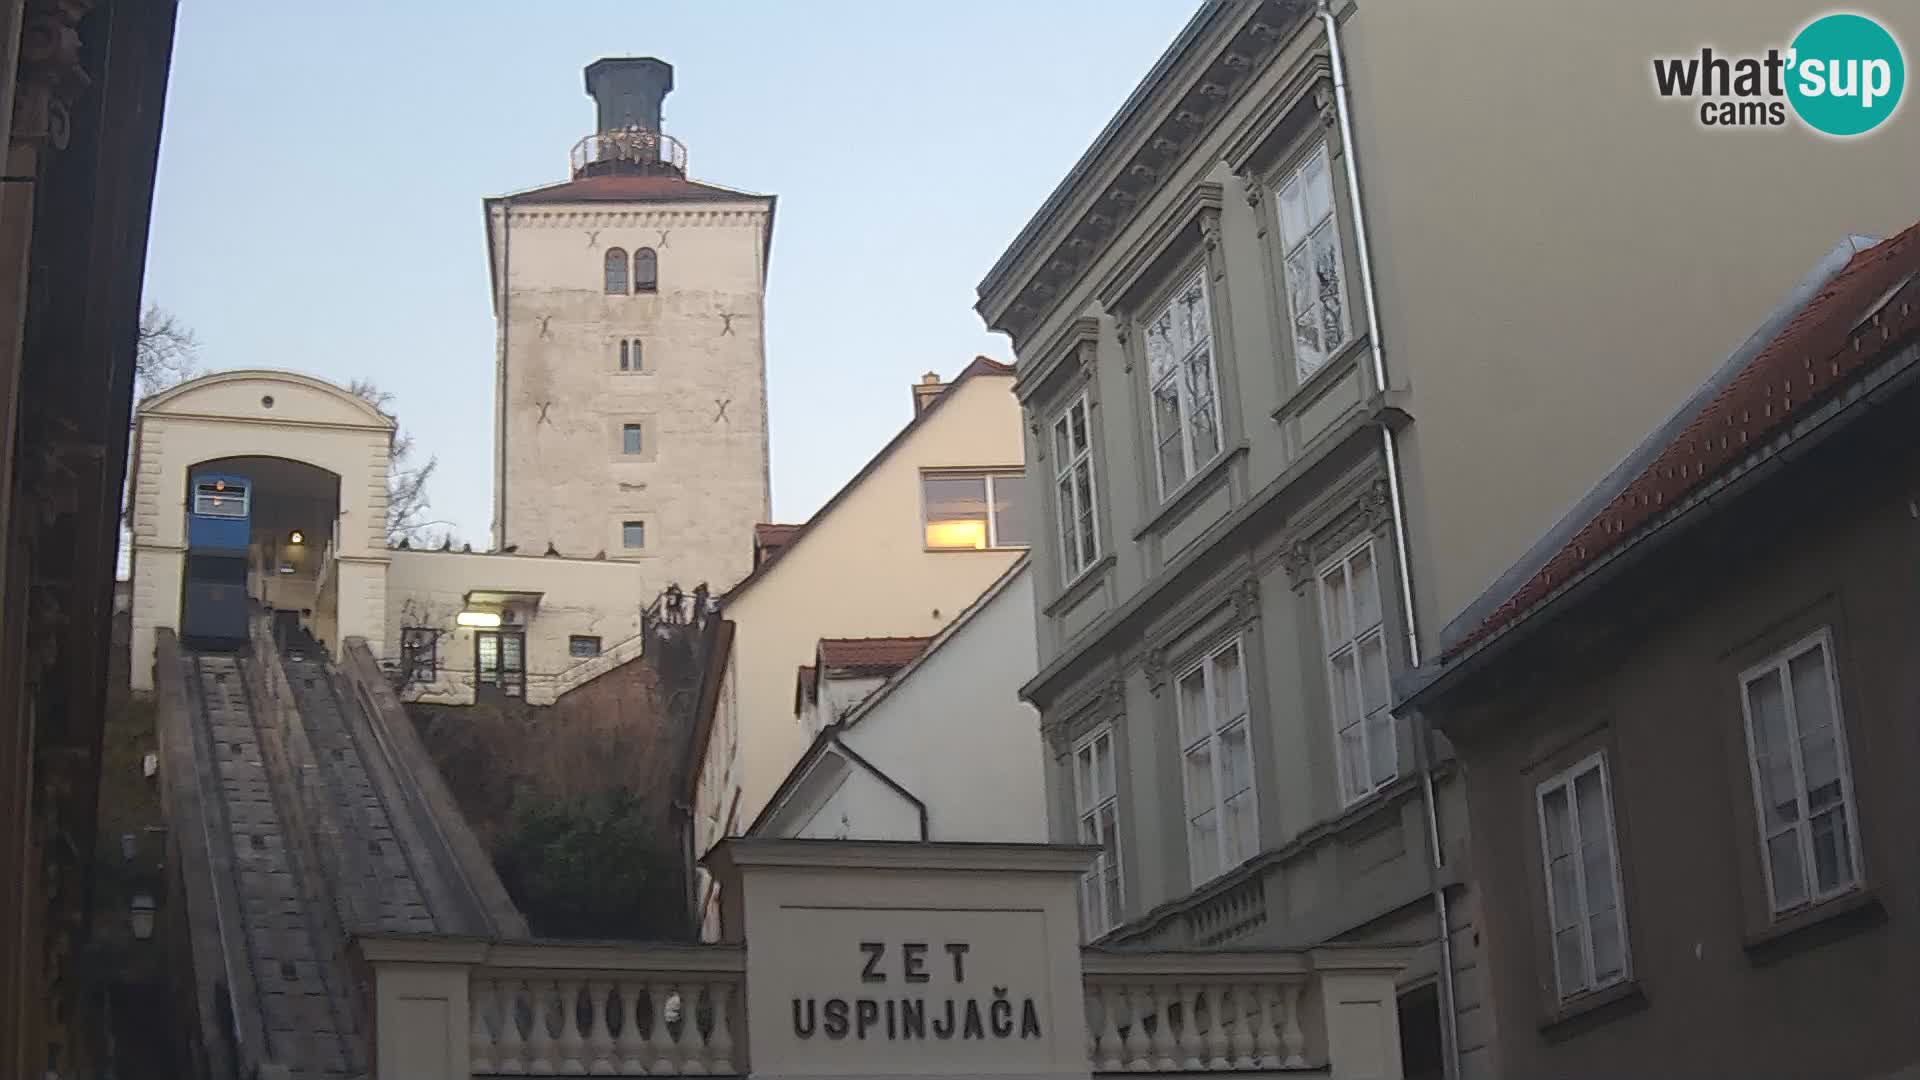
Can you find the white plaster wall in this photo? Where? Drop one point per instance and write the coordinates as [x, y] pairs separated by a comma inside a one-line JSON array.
[[955, 733], [227, 415], [428, 589], [860, 808], [701, 482], [861, 571]]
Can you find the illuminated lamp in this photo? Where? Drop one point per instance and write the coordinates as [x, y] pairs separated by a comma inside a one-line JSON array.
[[296, 537], [485, 620]]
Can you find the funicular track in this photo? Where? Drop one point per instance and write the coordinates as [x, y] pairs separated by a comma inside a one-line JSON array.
[[290, 945]]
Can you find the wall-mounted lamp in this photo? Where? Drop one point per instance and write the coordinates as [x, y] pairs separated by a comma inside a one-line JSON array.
[[486, 620], [296, 537], [141, 916]]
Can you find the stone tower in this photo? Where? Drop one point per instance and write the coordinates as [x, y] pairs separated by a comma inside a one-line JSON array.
[[630, 394]]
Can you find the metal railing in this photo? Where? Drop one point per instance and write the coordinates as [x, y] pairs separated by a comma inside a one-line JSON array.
[[637, 146]]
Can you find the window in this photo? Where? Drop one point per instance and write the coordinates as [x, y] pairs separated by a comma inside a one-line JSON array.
[[1211, 700], [1357, 684], [1802, 781], [1073, 486], [629, 438], [1180, 376], [419, 654], [1097, 803], [500, 660], [219, 498], [968, 511], [629, 354], [581, 646], [1582, 866], [616, 272], [646, 271], [633, 535], [1310, 238]]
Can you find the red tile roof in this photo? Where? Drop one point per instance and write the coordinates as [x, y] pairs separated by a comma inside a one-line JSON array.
[[769, 539], [1816, 353], [869, 656], [628, 188]]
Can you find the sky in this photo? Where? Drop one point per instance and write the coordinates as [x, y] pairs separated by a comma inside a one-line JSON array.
[[322, 166]]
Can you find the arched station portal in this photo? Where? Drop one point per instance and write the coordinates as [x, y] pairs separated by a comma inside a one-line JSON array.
[[290, 512], [315, 459]]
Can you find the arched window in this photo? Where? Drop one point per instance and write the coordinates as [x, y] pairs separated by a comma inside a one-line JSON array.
[[629, 354], [616, 272], [646, 271]]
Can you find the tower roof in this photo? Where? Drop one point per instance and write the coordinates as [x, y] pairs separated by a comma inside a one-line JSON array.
[[629, 187]]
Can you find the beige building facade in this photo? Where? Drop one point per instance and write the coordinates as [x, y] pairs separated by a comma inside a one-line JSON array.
[[1318, 335], [630, 413], [870, 563]]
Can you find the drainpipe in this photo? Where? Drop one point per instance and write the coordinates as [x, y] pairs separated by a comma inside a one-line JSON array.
[[1389, 448]]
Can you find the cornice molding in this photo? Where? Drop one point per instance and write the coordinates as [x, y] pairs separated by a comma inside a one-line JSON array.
[[1197, 213], [1078, 345], [570, 218]]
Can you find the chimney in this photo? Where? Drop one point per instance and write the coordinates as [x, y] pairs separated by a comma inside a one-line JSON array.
[[924, 391], [627, 91]]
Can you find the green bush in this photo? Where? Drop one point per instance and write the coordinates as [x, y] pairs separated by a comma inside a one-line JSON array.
[[591, 866]]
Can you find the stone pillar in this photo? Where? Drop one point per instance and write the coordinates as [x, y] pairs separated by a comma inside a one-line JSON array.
[[1361, 1013], [420, 1027]]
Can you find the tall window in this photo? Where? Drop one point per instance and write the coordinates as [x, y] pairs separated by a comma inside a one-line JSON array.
[[630, 438], [1357, 683], [1802, 780], [975, 510], [633, 535], [646, 271], [629, 354], [1097, 802], [1180, 375], [1582, 864], [1316, 287], [616, 272], [1073, 487], [1212, 703], [500, 660]]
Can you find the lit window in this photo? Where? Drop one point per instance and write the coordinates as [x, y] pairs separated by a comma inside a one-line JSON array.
[[616, 272], [646, 271], [1802, 779], [633, 535], [220, 498], [1211, 699], [1582, 864], [1097, 803], [975, 510], [1073, 489], [1316, 287], [1357, 683], [1180, 377], [629, 438], [581, 646]]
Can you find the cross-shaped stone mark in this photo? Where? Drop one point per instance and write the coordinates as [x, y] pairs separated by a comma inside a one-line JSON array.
[[720, 406]]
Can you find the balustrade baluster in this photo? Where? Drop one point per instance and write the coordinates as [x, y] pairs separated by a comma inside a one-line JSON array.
[[1293, 1042], [1163, 998], [722, 1040], [1246, 1011], [1217, 1026], [479, 1040], [1136, 1040], [540, 993], [1267, 1040], [512, 1060], [573, 1042], [662, 1035], [600, 1031], [1191, 1048], [633, 1046], [1109, 1029]]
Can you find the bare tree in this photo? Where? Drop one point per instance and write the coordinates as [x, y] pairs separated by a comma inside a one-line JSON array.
[[407, 504], [164, 353]]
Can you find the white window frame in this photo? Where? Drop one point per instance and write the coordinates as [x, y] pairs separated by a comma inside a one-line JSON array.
[[1781, 663], [1191, 459], [1565, 780], [1305, 366], [994, 542], [1211, 736], [1096, 915], [1080, 547], [1333, 651]]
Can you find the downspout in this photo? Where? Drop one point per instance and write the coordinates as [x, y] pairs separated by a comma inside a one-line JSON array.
[[1390, 450]]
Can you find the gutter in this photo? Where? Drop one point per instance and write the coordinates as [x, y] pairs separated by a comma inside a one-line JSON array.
[[1396, 500]]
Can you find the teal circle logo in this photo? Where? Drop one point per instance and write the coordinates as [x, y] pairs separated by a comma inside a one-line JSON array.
[[1846, 74]]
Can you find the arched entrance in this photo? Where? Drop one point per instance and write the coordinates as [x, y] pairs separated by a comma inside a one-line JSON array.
[[291, 515]]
